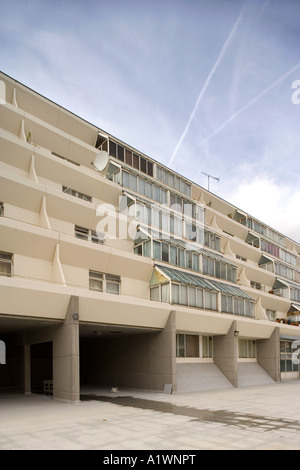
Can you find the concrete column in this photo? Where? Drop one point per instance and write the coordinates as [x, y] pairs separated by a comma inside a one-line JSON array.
[[162, 356], [66, 384], [268, 354], [27, 370], [22, 365], [226, 354]]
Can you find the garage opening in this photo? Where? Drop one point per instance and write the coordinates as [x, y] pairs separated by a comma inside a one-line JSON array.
[[41, 366], [117, 357]]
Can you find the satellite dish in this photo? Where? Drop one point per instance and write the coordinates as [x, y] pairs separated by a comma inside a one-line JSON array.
[[101, 160]]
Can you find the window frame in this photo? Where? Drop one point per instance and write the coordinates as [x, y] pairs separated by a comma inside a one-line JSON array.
[[106, 280], [75, 193], [90, 235], [6, 259]]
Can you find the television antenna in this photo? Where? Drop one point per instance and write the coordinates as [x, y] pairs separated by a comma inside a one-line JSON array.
[[210, 176]]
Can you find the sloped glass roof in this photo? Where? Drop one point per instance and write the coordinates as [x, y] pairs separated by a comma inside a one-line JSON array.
[[232, 290], [280, 283], [186, 278], [198, 281]]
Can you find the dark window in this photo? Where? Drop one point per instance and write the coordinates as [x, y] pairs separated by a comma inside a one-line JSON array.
[[121, 153], [165, 252], [138, 249], [81, 232], [143, 164], [150, 168], [112, 148], [6, 264], [128, 157], [192, 345], [136, 162], [101, 142]]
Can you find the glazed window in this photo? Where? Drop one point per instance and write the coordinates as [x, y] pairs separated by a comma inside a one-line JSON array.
[[187, 345], [88, 234], [6, 263], [75, 193], [101, 282], [247, 349]]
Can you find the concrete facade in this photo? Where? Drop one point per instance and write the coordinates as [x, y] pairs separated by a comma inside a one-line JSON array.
[[116, 271]]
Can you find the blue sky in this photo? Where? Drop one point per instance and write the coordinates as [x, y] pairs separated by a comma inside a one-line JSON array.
[[199, 85]]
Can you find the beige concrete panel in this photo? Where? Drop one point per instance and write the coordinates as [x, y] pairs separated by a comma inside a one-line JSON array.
[[239, 246], [84, 254], [32, 268], [20, 191], [28, 100], [273, 302], [289, 330], [202, 321], [49, 183], [69, 208], [130, 265], [11, 118], [100, 186], [48, 111], [76, 276], [61, 226], [225, 222], [103, 258], [51, 168], [135, 288], [57, 271], [120, 310], [47, 136], [250, 328], [23, 215], [254, 272], [33, 299], [58, 141], [120, 244], [27, 240], [6, 168], [85, 155], [76, 127]]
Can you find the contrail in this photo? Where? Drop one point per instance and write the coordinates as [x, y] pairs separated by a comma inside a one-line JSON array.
[[260, 95], [216, 64]]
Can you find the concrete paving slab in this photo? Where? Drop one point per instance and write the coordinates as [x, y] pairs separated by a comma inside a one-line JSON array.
[[262, 417]]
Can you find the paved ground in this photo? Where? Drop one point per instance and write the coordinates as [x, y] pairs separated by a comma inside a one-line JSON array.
[[264, 417]]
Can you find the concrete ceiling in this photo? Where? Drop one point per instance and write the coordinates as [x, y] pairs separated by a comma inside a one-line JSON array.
[[14, 324]]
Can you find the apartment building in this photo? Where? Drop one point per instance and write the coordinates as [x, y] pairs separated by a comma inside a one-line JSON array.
[[117, 271]]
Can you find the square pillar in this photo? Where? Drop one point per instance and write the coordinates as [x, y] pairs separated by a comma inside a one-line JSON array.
[[226, 354], [66, 384], [268, 354], [162, 356]]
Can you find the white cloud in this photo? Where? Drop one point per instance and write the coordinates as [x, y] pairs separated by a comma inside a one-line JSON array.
[[272, 203]]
